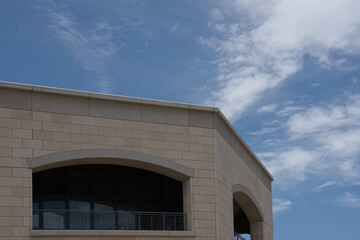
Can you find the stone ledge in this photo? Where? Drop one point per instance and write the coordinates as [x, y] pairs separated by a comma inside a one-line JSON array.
[[40, 233]]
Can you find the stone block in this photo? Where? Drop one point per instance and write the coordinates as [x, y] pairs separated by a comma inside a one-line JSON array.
[[17, 99], [5, 132], [98, 139], [52, 145], [94, 130], [10, 162], [42, 135], [10, 142], [5, 152], [30, 124], [22, 172], [107, 131], [52, 126], [72, 128], [42, 116], [21, 133], [81, 120], [5, 113], [46, 102], [151, 113], [62, 136], [21, 114], [5, 192], [117, 141], [112, 109], [10, 123], [11, 201], [80, 138], [33, 144]]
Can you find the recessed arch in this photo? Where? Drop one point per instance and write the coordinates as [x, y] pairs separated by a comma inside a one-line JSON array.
[[248, 203], [112, 156]]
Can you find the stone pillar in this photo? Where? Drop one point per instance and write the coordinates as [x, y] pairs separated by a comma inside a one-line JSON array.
[[257, 230]]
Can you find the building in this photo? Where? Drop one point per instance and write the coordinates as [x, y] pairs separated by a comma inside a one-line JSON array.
[[80, 165]]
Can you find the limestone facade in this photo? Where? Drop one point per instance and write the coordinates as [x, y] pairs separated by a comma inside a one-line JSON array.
[[43, 128]]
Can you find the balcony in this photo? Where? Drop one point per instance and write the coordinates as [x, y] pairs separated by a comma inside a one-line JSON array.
[[48, 219]]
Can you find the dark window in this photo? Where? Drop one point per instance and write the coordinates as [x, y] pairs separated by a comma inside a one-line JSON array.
[[101, 196]]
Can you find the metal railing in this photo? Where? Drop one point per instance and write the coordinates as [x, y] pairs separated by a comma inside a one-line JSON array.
[[237, 236], [108, 220]]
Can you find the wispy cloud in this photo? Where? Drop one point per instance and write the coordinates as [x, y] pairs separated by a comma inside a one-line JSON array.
[[329, 137], [288, 110], [267, 108], [261, 54], [92, 48], [322, 186], [350, 200], [264, 131], [174, 27], [280, 205], [291, 166]]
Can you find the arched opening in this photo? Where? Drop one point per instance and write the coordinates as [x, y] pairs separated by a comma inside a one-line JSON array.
[[247, 214], [98, 196], [241, 222], [146, 217]]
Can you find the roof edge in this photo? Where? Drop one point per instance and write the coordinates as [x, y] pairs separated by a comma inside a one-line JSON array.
[[112, 97], [104, 96], [241, 140]]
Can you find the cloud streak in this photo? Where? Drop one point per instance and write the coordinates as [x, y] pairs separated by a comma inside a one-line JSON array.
[[255, 57], [91, 48], [329, 137], [350, 200], [280, 205], [322, 186]]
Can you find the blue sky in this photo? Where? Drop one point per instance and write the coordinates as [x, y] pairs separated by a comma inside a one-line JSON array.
[[286, 73]]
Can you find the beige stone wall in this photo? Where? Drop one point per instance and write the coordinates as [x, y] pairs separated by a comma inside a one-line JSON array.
[[26, 134], [230, 170]]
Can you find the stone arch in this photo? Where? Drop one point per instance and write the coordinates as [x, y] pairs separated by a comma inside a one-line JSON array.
[[251, 208], [115, 157], [248, 203]]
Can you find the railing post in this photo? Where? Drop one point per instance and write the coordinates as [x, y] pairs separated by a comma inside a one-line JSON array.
[[151, 219], [163, 214], [139, 221], [185, 221]]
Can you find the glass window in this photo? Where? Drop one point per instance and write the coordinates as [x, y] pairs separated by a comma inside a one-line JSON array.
[[104, 215], [35, 215], [126, 215], [54, 214], [101, 197], [78, 187], [79, 215]]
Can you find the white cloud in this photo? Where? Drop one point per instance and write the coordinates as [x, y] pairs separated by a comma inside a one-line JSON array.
[[174, 28], [330, 140], [267, 108], [322, 119], [288, 110], [322, 186], [350, 200], [264, 131], [291, 166], [259, 56], [216, 15], [280, 205], [91, 48]]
